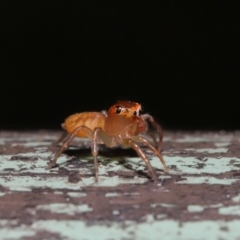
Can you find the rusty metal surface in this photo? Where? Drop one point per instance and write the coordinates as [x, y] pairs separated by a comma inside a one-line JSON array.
[[198, 199]]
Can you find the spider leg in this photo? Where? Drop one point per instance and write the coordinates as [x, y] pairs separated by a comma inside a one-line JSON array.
[[65, 145], [151, 134], [157, 126], [62, 137], [100, 136], [154, 150], [144, 158], [94, 148]]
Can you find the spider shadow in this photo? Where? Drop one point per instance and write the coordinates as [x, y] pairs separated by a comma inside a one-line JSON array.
[[107, 155]]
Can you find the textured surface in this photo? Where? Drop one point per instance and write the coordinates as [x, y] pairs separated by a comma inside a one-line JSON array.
[[198, 199]]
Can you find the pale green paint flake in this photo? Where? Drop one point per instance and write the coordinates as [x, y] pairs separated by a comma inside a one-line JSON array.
[[10, 230], [151, 229], [186, 165], [198, 208], [6, 222], [149, 218], [65, 208], [104, 181], [16, 233], [37, 165], [195, 208], [20, 189], [28, 182], [2, 194], [230, 210], [166, 205], [112, 194], [115, 212], [19, 183], [58, 192], [207, 150], [222, 144], [76, 194], [236, 198], [212, 165], [32, 138], [218, 205], [160, 216], [206, 138], [207, 180], [31, 144], [190, 164]]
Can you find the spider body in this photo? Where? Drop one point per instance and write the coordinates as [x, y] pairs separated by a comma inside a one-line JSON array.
[[90, 120], [121, 125]]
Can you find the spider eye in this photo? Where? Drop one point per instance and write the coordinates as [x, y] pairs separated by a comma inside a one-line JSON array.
[[136, 113], [118, 109]]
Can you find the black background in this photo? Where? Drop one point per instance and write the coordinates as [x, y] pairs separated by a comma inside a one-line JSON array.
[[177, 58]]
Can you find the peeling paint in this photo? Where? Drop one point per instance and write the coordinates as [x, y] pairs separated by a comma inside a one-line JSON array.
[[64, 208], [216, 205], [223, 144], [57, 192], [115, 212], [111, 181], [167, 229], [183, 165], [195, 208], [129, 194], [17, 233], [207, 180], [193, 166], [166, 205], [206, 138], [31, 144], [29, 182], [10, 230], [230, 210], [236, 198], [76, 194], [149, 218], [25, 183], [35, 166], [208, 150], [161, 216], [112, 194]]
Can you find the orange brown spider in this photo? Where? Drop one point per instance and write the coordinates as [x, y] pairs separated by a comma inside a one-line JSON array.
[[121, 125]]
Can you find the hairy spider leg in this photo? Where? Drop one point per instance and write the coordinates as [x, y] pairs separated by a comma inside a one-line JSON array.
[[154, 150], [143, 157], [66, 143], [157, 126]]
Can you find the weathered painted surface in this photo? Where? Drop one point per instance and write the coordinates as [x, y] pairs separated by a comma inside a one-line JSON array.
[[198, 199]]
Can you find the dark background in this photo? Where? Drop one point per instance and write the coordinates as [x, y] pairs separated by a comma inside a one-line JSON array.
[[177, 58]]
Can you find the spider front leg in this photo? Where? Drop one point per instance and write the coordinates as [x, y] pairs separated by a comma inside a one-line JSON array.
[[157, 126], [154, 150], [99, 136], [94, 148], [152, 135], [62, 137], [66, 143], [144, 158]]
